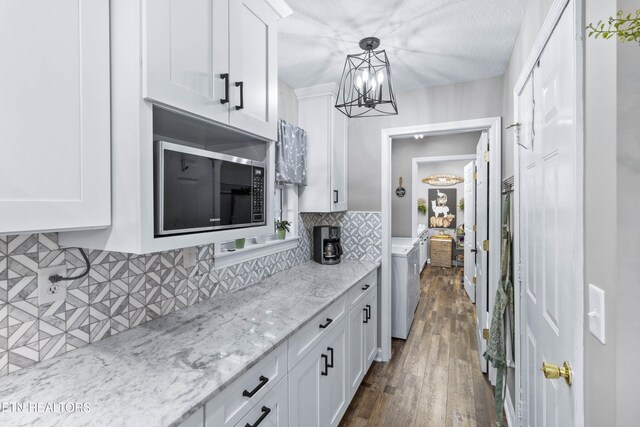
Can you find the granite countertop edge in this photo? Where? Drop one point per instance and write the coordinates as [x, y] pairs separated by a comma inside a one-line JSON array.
[[254, 362], [155, 349]]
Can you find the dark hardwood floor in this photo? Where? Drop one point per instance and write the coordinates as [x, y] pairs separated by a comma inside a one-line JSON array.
[[434, 377]]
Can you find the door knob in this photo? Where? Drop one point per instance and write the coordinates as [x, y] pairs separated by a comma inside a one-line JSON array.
[[552, 372]]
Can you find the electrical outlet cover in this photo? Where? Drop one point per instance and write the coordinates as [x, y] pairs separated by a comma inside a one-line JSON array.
[[189, 257], [44, 294]]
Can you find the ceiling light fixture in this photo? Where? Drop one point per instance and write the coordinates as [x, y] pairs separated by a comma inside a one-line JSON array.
[[365, 88], [442, 180]]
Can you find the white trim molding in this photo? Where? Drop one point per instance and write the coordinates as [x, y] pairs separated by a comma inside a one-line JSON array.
[[252, 250]]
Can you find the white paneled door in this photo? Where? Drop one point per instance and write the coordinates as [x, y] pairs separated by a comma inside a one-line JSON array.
[[55, 109], [469, 230], [482, 239], [548, 229]]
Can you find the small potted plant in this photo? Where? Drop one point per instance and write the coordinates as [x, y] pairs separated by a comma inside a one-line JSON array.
[[282, 227], [422, 205], [240, 243]]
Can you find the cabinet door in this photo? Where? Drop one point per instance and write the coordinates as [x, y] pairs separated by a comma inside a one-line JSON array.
[[304, 390], [253, 55], [339, 161], [334, 386], [371, 329], [55, 109], [271, 411], [186, 51], [357, 327]]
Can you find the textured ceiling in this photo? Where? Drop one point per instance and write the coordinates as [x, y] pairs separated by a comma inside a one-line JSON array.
[[429, 42]]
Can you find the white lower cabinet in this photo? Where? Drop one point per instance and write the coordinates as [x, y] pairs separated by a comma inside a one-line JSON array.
[[272, 411], [371, 328], [310, 379], [231, 405], [318, 383], [363, 328], [356, 371]]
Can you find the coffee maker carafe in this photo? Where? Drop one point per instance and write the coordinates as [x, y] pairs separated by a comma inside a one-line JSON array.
[[326, 244]]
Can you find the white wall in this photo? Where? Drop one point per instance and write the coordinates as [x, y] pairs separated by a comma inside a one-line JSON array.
[[628, 231], [453, 168], [461, 101], [403, 151]]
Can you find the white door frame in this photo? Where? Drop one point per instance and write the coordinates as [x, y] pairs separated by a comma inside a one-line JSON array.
[[577, 365], [493, 126], [415, 181]]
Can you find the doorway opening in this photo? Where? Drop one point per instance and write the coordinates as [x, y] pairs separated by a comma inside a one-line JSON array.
[[489, 150]]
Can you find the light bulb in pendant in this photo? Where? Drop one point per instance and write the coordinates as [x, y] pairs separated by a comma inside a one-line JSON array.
[[359, 83], [380, 77]]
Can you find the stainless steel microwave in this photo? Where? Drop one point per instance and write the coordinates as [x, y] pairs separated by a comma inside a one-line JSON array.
[[198, 190]]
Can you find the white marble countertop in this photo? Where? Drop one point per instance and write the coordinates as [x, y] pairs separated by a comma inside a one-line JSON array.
[[157, 373]]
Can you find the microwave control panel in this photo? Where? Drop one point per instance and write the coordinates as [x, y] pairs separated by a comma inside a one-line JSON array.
[[258, 196]]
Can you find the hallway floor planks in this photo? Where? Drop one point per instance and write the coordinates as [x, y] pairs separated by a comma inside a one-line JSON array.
[[434, 378]]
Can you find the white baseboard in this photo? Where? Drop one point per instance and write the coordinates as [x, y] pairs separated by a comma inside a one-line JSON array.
[[379, 356], [509, 410]]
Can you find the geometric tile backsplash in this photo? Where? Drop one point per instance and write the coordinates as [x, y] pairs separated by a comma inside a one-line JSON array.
[[124, 290]]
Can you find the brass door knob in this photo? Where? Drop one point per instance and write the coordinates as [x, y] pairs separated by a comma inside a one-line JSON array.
[[552, 372]]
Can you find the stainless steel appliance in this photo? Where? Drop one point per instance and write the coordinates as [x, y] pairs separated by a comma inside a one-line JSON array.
[[327, 248], [198, 190]]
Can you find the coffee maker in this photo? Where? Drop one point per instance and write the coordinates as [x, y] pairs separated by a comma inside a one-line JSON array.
[[326, 244]]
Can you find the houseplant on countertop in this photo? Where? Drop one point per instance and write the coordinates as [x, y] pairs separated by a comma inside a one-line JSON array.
[[282, 227]]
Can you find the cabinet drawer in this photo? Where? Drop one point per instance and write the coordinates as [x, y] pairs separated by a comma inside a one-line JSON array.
[[233, 403], [304, 340], [271, 411], [357, 292]]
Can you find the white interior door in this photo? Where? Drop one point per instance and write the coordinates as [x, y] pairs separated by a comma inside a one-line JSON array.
[[469, 230], [482, 235], [549, 237]]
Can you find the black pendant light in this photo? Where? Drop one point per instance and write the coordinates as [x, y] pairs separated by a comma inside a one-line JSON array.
[[365, 88]]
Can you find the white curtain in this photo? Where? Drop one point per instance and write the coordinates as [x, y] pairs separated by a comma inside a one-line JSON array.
[[291, 154]]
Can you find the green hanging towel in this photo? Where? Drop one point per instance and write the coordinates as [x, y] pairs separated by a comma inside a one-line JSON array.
[[496, 347]]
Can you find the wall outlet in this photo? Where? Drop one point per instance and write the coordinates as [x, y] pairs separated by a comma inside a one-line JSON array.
[[50, 292], [189, 257]]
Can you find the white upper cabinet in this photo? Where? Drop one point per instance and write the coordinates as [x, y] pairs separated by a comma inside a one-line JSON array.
[[214, 58], [187, 55], [254, 67], [327, 130], [55, 109]]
